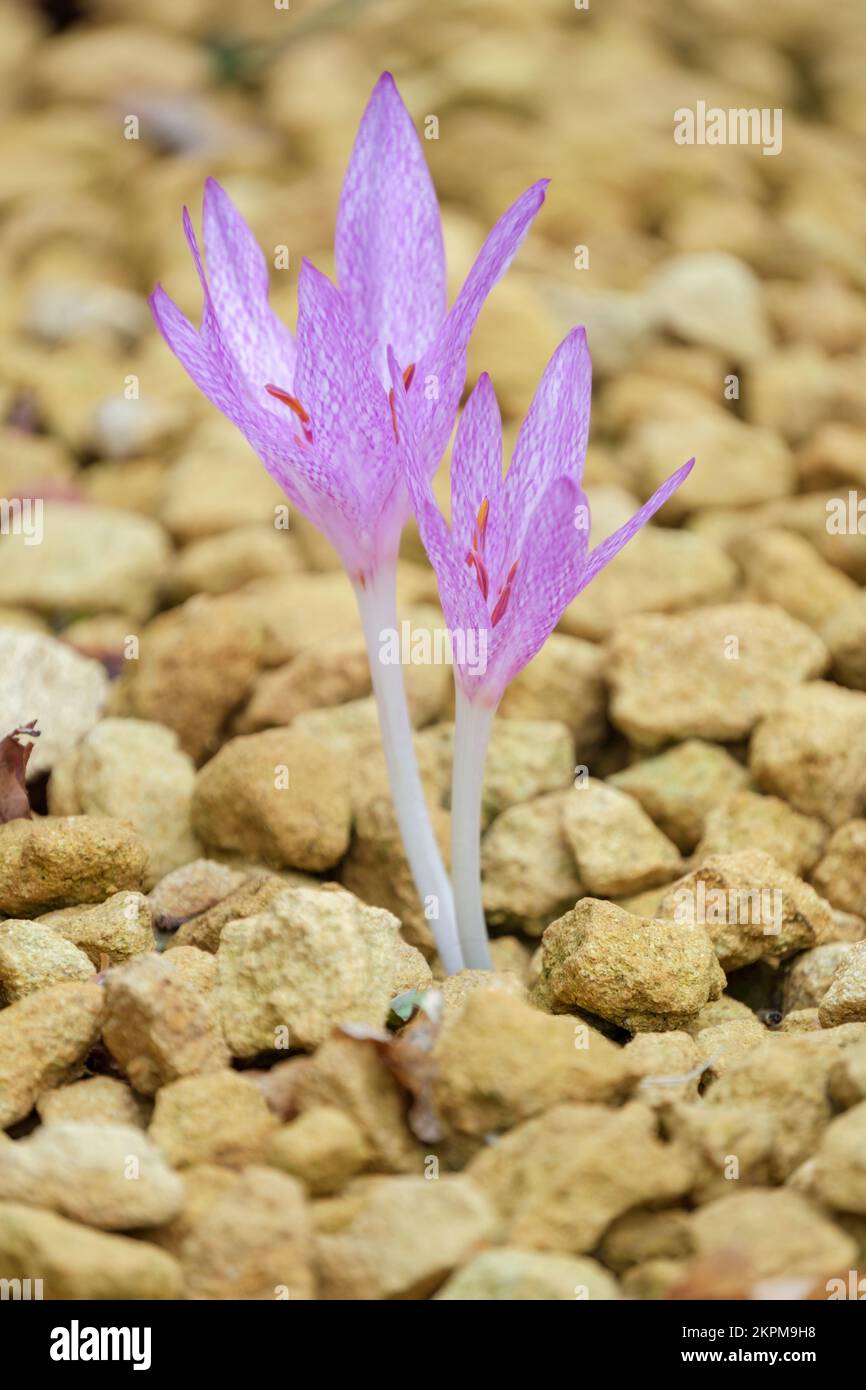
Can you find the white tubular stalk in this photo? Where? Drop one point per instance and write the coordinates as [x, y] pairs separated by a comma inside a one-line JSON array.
[[377, 602], [471, 737]]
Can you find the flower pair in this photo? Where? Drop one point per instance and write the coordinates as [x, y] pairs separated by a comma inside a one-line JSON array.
[[351, 417]]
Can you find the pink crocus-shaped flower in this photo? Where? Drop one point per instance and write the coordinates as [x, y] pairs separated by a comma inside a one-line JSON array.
[[318, 408], [515, 555]]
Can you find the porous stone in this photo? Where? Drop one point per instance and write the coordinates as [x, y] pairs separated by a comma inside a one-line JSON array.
[[323, 1148], [528, 870], [845, 634], [525, 759], [752, 908], [54, 862], [121, 928], [158, 1026], [643, 1235], [642, 973], [810, 749], [220, 564], [668, 1065], [748, 820], [838, 1177], [95, 1100], [33, 956], [779, 1235], [617, 848], [783, 568], [371, 1257], [517, 1276], [219, 1117], [44, 1041], [313, 960], [134, 771], [565, 681], [75, 1262], [192, 889], [680, 787], [810, 974], [845, 1000], [253, 1241], [553, 1182], [841, 874], [277, 796], [501, 1061], [728, 1143], [44, 680], [710, 674], [106, 1175]]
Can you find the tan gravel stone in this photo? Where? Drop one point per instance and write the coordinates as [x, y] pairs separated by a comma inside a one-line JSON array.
[[33, 956], [811, 750], [220, 1117], [516, 1276], [54, 862], [44, 680], [646, 974], [838, 1177], [120, 928], [710, 674], [680, 787], [780, 1235], [809, 975], [95, 1100], [78, 1263], [529, 876], [729, 1144], [783, 568], [841, 874], [845, 1000], [845, 634], [158, 1026], [323, 1148], [44, 1042], [565, 681], [748, 821], [278, 796], [617, 848]]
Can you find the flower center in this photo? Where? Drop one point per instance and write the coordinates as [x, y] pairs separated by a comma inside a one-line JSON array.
[[475, 559]]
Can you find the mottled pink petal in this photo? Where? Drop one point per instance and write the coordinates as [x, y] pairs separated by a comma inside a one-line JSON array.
[[442, 370], [611, 545], [476, 472], [388, 241], [238, 281], [552, 439]]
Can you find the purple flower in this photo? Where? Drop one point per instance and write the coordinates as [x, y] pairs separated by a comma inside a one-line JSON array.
[[516, 553], [318, 409]]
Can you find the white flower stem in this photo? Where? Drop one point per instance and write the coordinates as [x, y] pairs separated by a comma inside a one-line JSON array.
[[471, 737], [377, 602]]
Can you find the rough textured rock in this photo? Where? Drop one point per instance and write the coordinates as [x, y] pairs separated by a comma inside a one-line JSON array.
[[254, 894], [680, 787], [253, 1241], [845, 635], [192, 889], [783, 568], [845, 1000], [374, 1256], [659, 571], [525, 758], [742, 465], [120, 928], [58, 862], [220, 1117], [220, 564], [323, 1148], [195, 667], [277, 796], [643, 973], [75, 1262], [528, 870], [779, 1235], [553, 1182], [617, 848], [564, 681], [91, 559], [751, 907], [33, 956], [316, 958], [517, 1276], [43, 679], [727, 1143], [501, 1061], [811, 750], [132, 770], [749, 821], [841, 874], [809, 975], [668, 1065], [710, 674], [838, 1177], [44, 1042], [95, 1100], [105, 1175], [158, 1026], [642, 1235]]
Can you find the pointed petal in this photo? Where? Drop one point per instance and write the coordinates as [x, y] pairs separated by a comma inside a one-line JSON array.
[[476, 471], [388, 240], [549, 569], [442, 371], [552, 439], [238, 280], [611, 545], [337, 385]]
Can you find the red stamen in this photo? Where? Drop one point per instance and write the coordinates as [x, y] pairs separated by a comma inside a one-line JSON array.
[[481, 522], [408, 375], [393, 414], [504, 595], [294, 405]]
